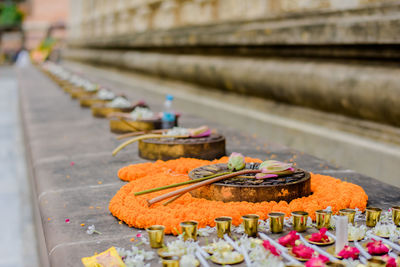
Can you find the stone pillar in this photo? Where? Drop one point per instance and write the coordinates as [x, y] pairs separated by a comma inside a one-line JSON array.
[[197, 12], [142, 19], [166, 15]]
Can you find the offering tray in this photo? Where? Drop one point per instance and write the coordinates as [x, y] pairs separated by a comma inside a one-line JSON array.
[[210, 147], [285, 187]]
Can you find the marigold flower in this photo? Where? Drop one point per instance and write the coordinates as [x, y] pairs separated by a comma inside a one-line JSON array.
[[303, 251], [134, 211], [317, 261], [289, 239], [320, 236], [349, 252], [390, 261], [271, 248], [377, 248]]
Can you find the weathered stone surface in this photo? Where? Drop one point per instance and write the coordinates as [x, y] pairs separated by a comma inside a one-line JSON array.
[[366, 92], [82, 199], [239, 23]]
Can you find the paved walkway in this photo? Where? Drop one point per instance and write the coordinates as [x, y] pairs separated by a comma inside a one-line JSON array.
[[59, 132], [18, 243]]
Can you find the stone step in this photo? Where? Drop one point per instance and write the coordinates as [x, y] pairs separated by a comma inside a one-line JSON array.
[[362, 91], [369, 148]]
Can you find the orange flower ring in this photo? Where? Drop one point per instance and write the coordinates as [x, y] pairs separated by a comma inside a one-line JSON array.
[[134, 211]]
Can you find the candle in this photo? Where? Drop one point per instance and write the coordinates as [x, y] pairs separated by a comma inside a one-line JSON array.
[[363, 260], [281, 248], [362, 251], [318, 250], [201, 251], [341, 233], [331, 235], [201, 259], [385, 241], [245, 255], [273, 242], [238, 249]]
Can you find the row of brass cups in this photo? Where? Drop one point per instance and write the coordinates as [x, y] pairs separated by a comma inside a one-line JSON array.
[[323, 218], [156, 237], [156, 233], [189, 229], [250, 223], [372, 216]]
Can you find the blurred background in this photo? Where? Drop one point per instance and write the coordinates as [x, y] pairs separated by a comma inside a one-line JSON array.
[[321, 76]]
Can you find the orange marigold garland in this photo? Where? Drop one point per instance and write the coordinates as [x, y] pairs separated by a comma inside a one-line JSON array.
[[327, 191]]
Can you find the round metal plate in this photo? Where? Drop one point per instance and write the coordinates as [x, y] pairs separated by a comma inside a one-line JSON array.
[[226, 192], [208, 148]]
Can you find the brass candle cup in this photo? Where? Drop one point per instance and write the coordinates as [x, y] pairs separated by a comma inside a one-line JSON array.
[[372, 215], [350, 213], [189, 229], [171, 261], [323, 218], [276, 222], [376, 262], [396, 215], [250, 224], [300, 220], [223, 226], [156, 235], [335, 264]]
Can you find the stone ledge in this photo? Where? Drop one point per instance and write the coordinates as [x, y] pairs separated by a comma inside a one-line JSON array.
[[65, 242], [376, 24], [367, 92], [296, 127]]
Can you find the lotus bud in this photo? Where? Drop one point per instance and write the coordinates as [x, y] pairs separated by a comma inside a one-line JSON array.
[[236, 162], [265, 175], [202, 131], [273, 168], [270, 166]]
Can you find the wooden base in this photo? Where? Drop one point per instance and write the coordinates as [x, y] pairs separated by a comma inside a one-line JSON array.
[[69, 88], [251, 193], [87, 102], [79, 93], [102, 111], [208, 148], [117, 126]]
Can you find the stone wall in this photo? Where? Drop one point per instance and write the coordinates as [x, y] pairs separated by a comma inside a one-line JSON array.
[[41, 14], [93, 18], [339, 56]]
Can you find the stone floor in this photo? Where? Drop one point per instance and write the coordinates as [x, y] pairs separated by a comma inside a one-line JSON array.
[[18, 241], [59, 132]]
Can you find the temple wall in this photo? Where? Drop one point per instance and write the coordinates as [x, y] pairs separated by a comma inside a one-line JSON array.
[[338, 56], [94, 18]]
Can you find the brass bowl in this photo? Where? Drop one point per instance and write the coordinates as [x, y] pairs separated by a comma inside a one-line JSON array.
[[102, 111], [330, 242], [80, 93], [89, 101], [232, 262], [163, 252], [208, 148], [60, 82], [68, 88], [227, 192], [127, 126]]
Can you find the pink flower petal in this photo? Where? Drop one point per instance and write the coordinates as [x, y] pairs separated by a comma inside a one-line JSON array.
[[265, 175]]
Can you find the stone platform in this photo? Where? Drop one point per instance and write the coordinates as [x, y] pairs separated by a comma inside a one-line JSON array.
[[75, 175]]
